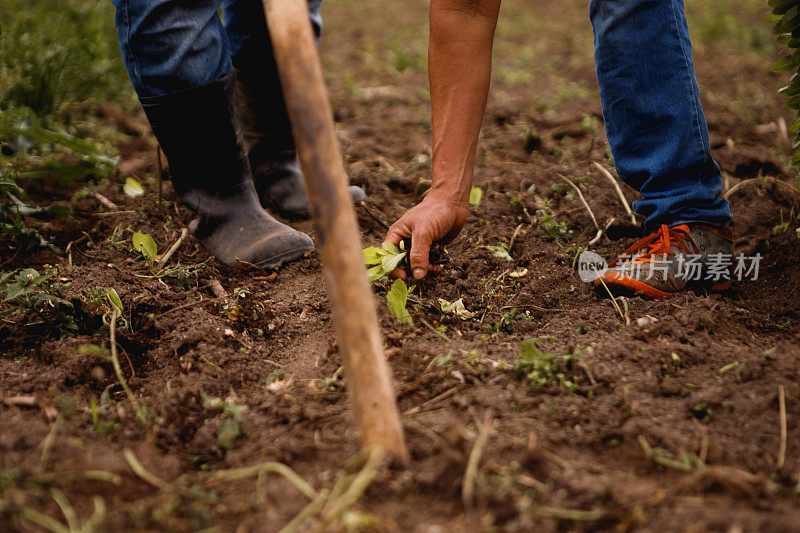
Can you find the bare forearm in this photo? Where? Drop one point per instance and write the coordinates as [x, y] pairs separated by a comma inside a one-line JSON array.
[[460, 60]]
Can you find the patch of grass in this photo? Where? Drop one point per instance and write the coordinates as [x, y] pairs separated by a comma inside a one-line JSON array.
[[547, 369], [59, 52]]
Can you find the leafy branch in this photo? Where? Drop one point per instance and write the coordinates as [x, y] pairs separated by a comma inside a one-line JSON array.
[[785, 17]]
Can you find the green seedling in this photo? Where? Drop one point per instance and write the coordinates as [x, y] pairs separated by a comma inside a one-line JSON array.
[[13, 212], [501, 251], [145, 245], [132, 188], [456, 308], [555, 230], [475, 196], [506, 322], [544, 369], [230, 430], [384, 260], [35, 295], [396, 298]]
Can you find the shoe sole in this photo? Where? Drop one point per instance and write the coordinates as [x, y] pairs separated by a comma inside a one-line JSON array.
[[284, 258], [637, 287]]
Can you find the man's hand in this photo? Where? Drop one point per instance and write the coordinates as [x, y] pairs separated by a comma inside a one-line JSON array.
[[435, 219]]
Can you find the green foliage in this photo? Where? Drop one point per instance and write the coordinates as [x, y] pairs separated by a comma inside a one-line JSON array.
[[785, 17], [132, 188], [384, 260], [34, 294], [230, 429], [501, 251], [396, 298], [12, 213], [544, 369], [475, 196], [56, 154], [555, 230], [146, 245], [58, 52], [506, 322]]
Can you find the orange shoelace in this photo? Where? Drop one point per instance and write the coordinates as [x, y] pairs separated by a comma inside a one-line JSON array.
[[659, 244]]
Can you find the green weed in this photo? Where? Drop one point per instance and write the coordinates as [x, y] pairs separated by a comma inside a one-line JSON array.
[[545, 369], [34, 295], [384, 260], [58, 53]]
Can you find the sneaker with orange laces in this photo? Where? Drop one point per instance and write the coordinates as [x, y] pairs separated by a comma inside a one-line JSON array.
[[671, 259]]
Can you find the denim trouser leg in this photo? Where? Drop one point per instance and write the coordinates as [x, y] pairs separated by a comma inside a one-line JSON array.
[[171, 45], [248, 35], [651, 106]]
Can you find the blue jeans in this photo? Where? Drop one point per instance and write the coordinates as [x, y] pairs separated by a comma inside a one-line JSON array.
[[651, 106], [172, 45]]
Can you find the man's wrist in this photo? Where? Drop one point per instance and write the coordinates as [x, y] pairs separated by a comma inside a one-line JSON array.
[[450, 195]]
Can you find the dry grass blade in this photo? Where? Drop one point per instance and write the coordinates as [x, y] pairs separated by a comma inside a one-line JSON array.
[[42, 520], [438, 333], [471, 473], [174, 248], [142, 472], [617, 188], [316, 505], [572, 514], [782, 415], [47, 445], [236, 474], [356, 489], [762, 180], [600, 232], [582, 199], [112, 335], [105, 201], [611, 295]]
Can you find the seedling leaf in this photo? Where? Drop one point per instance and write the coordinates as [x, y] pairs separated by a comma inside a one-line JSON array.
[[373, 255], [396, 298], [145, 244], [383, 260], [114, 299], [375, 273], [456, 308], [475, 196], [390, 262], [132, 188], [501, 252]]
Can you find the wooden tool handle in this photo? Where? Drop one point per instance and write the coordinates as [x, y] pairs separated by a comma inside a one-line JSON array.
[[369, 384]]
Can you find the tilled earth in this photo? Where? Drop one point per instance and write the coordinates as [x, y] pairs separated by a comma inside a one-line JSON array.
[[668, 418]]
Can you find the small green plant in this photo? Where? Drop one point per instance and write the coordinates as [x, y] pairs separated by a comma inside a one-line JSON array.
[[230, 429], [13, 212], [396, 298], [555, 230], [506, 322], [544, 369], [33, 294], [384, 260], [475, 196], [501, 251], [145, 245]]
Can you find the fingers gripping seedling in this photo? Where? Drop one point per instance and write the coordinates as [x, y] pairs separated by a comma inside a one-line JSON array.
[[384, 260]]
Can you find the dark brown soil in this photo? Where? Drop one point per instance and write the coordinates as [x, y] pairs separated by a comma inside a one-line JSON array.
[[672, 425]]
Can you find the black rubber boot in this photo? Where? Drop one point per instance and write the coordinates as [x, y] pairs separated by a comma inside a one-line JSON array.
[[268, 138], [199, 132]]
